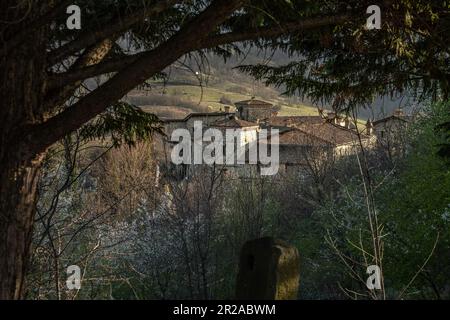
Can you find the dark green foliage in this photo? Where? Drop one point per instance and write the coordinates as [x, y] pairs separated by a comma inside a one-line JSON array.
[[412, 202], [122, 123], [348, 66], [416, 207], [444, 147]]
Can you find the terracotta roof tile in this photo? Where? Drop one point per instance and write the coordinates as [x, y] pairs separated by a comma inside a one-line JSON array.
[[293, 120], [313, 130], [331, 133], [298, 137], [201, 114]]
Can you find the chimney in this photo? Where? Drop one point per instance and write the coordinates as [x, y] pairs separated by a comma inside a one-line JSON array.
[[227, 108], [369, 127]]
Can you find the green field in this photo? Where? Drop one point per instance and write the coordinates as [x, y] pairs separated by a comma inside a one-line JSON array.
[[211, 95]]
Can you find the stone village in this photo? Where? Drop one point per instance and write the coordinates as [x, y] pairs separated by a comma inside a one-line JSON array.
[[299, 142]]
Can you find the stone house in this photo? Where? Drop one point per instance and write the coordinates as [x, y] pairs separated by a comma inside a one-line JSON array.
[[255, 110], [207, 119], [392, 132], [304, 141], [310, 141], [388, 127]]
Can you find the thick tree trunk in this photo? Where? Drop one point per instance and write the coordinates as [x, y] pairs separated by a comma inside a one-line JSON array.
[[17, 205], [24, 135], [22, 87], [18, 181]]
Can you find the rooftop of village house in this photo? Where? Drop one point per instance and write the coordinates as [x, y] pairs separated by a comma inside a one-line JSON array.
[[198, 114], [327, 128], [398, 115], [317, 132], [234, 122], [294, 136], [291, 120], [332, 133]]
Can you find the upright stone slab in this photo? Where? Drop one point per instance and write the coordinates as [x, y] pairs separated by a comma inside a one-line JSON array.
[[269, 270]]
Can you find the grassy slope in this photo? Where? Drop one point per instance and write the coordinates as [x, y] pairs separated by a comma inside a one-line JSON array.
[[211, 95]]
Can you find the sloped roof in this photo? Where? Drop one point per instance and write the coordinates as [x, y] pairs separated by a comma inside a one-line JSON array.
[[293, 120], [316, 126], [332, 133], [254, 103], [299, 137], [233, 122], [200, 114], [393, 117]]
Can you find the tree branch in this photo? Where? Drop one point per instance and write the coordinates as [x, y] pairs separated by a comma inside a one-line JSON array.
[[113, 65], [212, 41], [91, 56], [113, 28], [41, 21], [272, 31], [187, 39]]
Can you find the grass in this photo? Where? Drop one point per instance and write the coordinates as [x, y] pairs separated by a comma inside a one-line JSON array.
[[300, 110], [210, 96]]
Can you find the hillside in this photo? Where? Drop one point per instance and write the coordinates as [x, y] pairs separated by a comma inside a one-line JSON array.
[[210, 87], [212, 83]]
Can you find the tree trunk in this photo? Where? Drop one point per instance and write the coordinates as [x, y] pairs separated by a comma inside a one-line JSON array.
[[24, 135], [22, 87], [17, 205]]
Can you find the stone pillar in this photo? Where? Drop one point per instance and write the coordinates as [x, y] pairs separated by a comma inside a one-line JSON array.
[[268, 270]]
